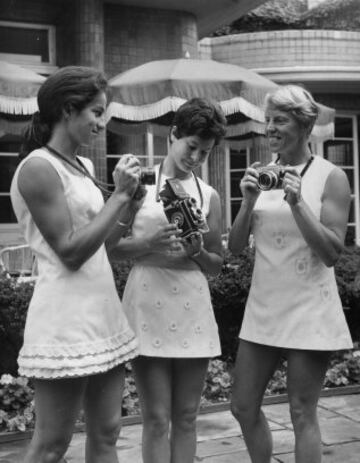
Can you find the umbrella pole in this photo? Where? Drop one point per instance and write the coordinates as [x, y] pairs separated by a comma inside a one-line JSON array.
[[149, 145]]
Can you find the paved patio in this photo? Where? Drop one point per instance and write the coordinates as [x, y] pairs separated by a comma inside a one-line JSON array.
[[220, 441]]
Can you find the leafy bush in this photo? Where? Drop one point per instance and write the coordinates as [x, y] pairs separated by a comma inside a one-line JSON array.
[[14, 301], [16, 404], [229, 291]]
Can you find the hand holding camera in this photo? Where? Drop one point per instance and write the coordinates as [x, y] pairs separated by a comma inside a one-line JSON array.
[[129, 177], [164, 238]]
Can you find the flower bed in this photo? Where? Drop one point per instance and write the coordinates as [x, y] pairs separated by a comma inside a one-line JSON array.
[[17, 405], [229, 292]]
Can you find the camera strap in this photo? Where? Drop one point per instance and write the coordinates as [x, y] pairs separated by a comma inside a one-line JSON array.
[[157, 194], [80, 167], [307, 165]]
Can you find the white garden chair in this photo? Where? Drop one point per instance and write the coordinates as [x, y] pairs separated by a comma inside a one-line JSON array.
[[18, 262]]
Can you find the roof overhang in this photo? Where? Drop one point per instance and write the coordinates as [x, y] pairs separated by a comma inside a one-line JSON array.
[[210, 14], [318, 79]]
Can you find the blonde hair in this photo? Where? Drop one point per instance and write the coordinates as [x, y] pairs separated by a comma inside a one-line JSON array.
[[296, 100]]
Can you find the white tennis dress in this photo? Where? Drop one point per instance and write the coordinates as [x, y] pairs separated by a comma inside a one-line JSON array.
[[75, 324], [170, 308], [293, 301]]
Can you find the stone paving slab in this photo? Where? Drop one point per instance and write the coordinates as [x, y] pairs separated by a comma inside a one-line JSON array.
[[346, 453], [220, 440]]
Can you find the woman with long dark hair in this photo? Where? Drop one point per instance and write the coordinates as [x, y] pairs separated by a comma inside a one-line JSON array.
[[76, 336]]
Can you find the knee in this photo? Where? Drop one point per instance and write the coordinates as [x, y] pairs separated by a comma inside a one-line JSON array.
[[104, 434], [302, 412], [157, 422], [49, 450], [185, 419], [244, 411]]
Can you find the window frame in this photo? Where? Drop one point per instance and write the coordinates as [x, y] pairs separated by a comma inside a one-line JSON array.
[[43, 67], [245, 145], [318, 148]]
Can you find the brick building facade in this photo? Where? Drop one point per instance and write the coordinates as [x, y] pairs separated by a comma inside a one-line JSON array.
[[327, 62], [117, 35]]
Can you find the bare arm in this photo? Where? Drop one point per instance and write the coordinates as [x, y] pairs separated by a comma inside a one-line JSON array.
[[162, 239], [209, 256], [43, 193], [325, 237], [240, 230]]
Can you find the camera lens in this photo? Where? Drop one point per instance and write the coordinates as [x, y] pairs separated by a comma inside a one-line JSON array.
[[147, 176], [267, 180]]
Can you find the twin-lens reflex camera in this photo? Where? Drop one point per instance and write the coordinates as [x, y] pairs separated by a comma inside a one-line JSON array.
[[181, 209]]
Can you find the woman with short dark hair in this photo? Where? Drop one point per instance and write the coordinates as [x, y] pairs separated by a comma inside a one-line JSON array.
[[167, 297]]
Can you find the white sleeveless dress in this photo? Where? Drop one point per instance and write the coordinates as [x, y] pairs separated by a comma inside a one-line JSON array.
[[170, 309], [75, 324], [293, 300]]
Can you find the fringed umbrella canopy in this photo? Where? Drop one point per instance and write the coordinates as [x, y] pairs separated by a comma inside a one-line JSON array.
[[158, 87], [18, 89], [155, 90]]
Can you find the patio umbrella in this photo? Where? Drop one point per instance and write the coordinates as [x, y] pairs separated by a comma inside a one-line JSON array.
[[152, 91], [18, 89], [156, 88]]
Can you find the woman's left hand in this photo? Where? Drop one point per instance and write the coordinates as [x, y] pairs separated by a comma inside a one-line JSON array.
[[193, 244], [292, 186]]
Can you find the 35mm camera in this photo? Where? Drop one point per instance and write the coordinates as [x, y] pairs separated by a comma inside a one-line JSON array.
[[270, 177]]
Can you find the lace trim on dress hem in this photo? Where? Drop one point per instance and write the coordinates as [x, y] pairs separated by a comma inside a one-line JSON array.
[[45, 373], [90, 360], [77, 350]]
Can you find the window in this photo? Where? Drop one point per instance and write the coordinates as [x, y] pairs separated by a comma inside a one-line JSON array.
[[341, 151], [239, 160], [9, 148], [137, 144], [30, 45]]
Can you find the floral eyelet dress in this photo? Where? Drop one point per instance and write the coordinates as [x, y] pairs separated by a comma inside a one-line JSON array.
[[75, 324], [169, 306], [293, 301]]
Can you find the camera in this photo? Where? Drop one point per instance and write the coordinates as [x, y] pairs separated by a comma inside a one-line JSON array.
[[270, 177], [147, 176], [180, 208]]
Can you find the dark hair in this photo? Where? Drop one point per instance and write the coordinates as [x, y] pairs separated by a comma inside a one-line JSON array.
[[200, 117], [71, 87]]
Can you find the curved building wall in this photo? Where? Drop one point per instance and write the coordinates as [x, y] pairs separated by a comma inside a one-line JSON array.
[[285, 48]]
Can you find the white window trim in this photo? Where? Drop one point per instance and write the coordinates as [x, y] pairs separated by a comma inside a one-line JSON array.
[[238, 145], [318, 149], [45, 67]]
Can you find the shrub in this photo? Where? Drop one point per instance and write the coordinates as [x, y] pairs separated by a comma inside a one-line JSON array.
[[14, 301], [229, 291], [16, 404]]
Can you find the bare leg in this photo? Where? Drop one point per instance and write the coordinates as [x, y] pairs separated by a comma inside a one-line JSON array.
[[306, 372], [188, 383], [103, 398], [254, 367], [57, 406], [153, 383]]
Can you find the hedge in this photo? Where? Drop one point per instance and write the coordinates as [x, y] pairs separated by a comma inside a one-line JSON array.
[[229, 291]]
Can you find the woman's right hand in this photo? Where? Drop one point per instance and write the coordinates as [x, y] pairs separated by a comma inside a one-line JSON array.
[[126, 175], [165, 238], [249, 183]]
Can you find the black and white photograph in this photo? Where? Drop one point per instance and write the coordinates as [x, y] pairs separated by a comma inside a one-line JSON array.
[[179, 231]]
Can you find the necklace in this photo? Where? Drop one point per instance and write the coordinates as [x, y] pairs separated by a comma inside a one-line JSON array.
[[80, 167], [157, 197]]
